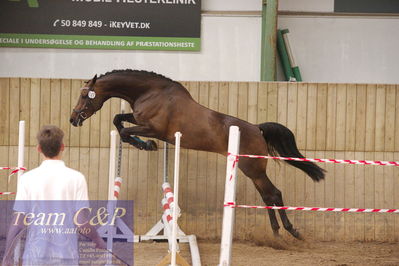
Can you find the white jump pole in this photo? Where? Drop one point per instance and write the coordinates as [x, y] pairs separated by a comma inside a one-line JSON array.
[[20, 163], [21, 146], [111, 184], [165, 162], [229, 196], [123, 106], [176, 197], [112, 165]]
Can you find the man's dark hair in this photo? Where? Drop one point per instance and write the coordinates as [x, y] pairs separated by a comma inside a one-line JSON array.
[[49, 139]]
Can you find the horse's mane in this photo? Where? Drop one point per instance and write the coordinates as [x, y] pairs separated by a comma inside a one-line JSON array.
[[138, 72]]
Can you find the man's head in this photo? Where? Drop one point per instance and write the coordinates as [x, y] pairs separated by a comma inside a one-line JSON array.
[[50, 141]]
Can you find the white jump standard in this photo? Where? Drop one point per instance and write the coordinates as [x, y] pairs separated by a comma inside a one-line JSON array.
[[112, 232], [167, 227]]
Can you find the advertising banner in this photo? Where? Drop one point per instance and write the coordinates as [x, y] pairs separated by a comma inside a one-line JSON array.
[[101, 24]]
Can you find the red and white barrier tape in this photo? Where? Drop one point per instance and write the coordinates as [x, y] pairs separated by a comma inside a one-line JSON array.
[[7, 193], [363, 162], [233, 205], [117, 186], [15, 169]]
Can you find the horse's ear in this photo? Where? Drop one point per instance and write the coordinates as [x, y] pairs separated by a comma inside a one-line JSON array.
[[94, 79]]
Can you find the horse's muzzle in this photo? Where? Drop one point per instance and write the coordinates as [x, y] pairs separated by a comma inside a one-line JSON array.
[[76, 122]]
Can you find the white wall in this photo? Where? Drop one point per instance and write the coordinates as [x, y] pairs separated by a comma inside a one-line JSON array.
[[256, 5], [307, 5], [327, 49], [228, 5], [229, 52], [345, 49]]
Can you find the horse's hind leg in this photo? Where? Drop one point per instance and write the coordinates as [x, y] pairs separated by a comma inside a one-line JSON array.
[[255, 169], [266, 190], [273, 197], [274, 222]]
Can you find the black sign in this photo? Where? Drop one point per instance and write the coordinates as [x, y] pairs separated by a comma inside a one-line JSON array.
[[108, 24], [366, 6]]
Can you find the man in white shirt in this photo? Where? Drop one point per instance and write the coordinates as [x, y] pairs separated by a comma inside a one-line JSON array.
[[54, 189]]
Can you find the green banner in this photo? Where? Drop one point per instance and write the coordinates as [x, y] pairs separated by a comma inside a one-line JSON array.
[[99, 42]]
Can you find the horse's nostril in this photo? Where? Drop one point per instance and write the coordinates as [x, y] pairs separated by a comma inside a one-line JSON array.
[[71, 120]]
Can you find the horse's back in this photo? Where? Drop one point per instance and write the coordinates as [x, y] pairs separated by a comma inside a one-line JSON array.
[[211, 132], [202, 128]]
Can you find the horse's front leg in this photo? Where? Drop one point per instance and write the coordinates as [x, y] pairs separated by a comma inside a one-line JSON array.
[[127, 137], [119, 118], [143, 131]]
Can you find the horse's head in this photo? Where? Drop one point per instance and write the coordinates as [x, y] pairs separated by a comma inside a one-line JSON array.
[[88, 103]]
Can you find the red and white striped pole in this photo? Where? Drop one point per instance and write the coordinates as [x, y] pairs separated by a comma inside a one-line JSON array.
[[167, 212], [117, 187]]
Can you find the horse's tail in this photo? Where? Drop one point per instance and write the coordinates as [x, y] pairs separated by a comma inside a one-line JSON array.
[[281, 141]]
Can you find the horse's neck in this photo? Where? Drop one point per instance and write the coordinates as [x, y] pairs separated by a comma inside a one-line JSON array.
[[118, 89]]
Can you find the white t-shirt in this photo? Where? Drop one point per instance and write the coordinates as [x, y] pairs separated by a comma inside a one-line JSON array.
[[51, 188], [52, 180]]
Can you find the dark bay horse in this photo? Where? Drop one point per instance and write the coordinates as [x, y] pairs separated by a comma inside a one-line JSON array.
[[162, 106]]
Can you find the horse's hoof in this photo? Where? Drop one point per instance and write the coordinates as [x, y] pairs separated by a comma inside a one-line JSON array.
[[296, 234], [151, 145], [276, 234], [141, 145]]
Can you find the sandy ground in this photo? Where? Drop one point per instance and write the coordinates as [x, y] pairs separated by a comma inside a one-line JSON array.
[[277, 252], [281, 253]]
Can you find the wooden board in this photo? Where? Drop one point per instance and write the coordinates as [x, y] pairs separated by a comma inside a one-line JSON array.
[[4, 111]]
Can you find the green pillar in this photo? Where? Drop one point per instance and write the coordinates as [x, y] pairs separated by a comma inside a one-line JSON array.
[[284, 57], [268, 49]]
